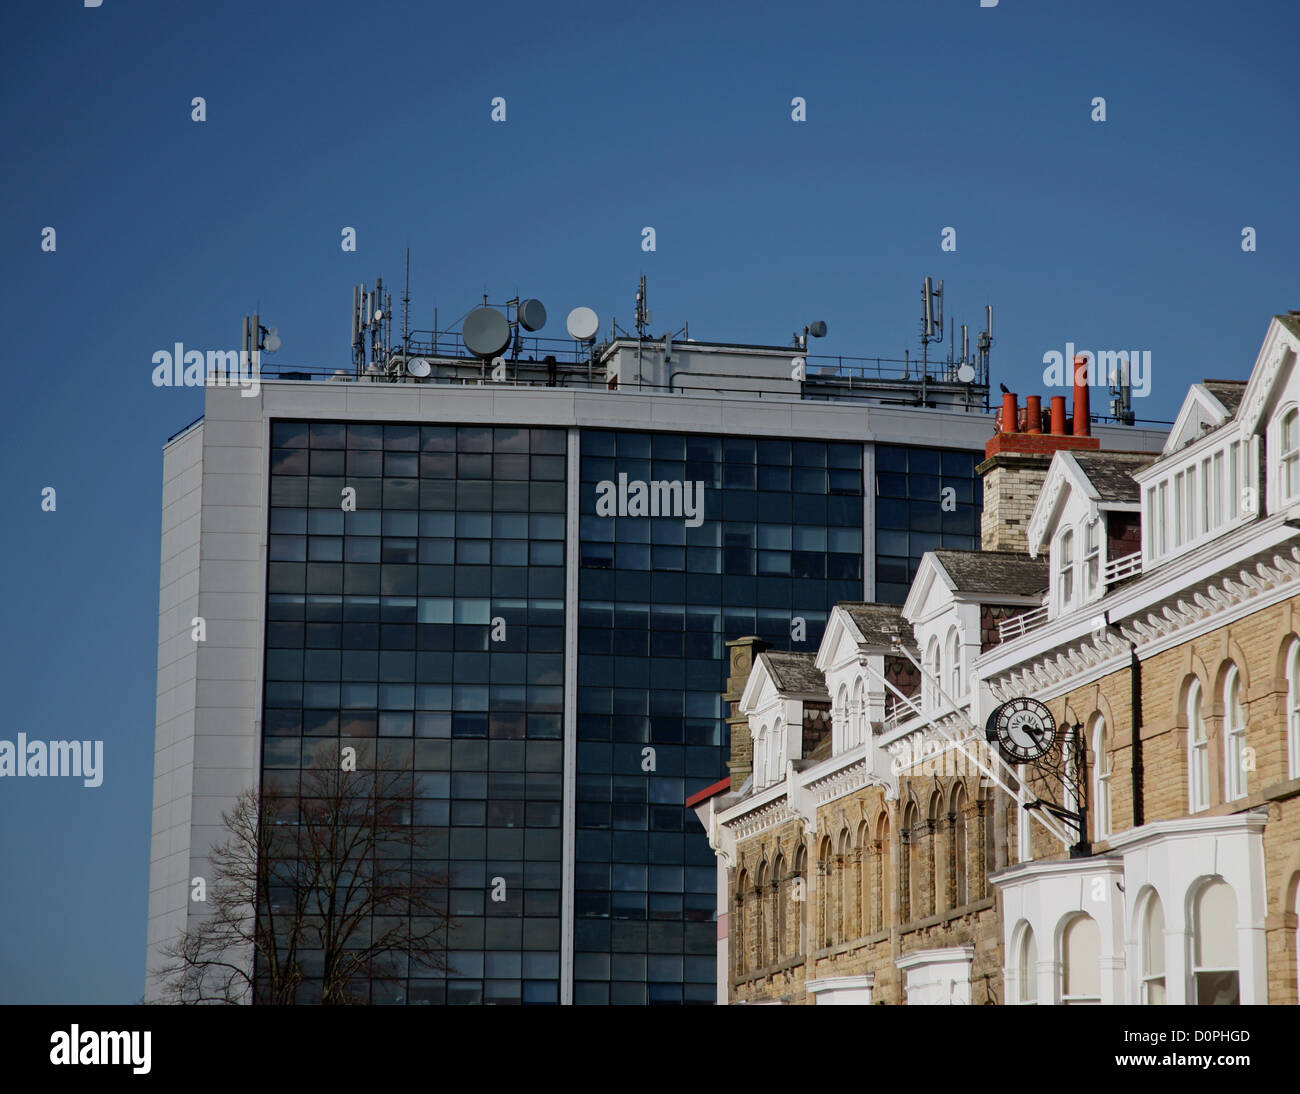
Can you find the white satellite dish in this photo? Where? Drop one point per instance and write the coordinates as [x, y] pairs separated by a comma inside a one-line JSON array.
[[419, 367], [271, 342], [379, 314], [582, 324], [965, 374]]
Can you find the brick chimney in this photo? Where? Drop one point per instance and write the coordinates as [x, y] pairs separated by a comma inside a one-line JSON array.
[[744, 653], [1016, 460]]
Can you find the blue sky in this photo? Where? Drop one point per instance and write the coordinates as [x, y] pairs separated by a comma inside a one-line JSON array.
[[1122, 234]]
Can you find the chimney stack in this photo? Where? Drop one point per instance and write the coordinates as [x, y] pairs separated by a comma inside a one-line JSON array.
[[1016, 460], [1082, 423], [1033, 413]]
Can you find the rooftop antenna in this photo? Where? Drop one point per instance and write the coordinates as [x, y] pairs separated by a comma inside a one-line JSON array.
[[983, 343], [1121, 392], [406, 304], [931, 320], [643, 315]]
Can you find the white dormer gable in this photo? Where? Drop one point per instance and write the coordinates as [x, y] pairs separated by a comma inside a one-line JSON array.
[[853, 664], [946, 627], [1201, 412], [1202, 488], [1069, 527], [775, 724]]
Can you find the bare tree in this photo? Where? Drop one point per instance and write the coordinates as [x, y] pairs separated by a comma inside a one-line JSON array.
[[316, 888]]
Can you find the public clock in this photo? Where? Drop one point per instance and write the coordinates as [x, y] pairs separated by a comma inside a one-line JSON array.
[[1024, 729]]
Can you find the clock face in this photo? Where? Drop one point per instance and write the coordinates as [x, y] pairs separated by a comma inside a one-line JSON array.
[[1024, 729]]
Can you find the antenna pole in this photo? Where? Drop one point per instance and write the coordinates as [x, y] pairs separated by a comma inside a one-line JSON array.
[[406, 304]]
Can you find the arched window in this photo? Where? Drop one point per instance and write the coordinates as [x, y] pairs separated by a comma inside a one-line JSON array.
[[1027, 974], [953, 657], [780, 898], [1153, 952], [909, 864], [1234, 738], [858, 719], [936, 887], [1065, 569], [760, 758], [866, 878], [960, 854], [932, 672], [826, 876], [1289, 455], [776, 750], [1101, 779], [1293, 710], [1214, 946], [738, 922], [799, 886], [1198, 753], [847, 897], [840, 721], [1091, 558], [884, 894], [1081, 962], [760, 918]]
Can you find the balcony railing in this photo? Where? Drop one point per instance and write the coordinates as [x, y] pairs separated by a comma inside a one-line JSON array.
[[1118, 569], [1022, 624]]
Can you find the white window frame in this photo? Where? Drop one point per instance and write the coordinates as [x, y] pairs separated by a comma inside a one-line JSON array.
[[1027, 957], [1293, 710], [1198, 753], [1288, 456], [1234, 737], [954, 665], [1091, 558], [1149, 975], [1065, 570], [1194, 966], [1101, 779], [1073, 923]]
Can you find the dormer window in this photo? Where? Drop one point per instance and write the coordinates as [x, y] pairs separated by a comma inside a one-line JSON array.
[[1289, 456], [954, 665], [1065, 569], [1091, 558]]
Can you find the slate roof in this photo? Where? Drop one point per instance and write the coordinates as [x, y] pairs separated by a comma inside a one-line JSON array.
[[1228, 392], [794, 673], [994, 572], [878, 620], [1111, 473]]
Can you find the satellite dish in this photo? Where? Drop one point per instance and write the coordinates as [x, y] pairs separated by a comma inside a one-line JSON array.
[[379, 314], [965, 374], [582, 324], [271, 342], [486, 332], [418, 367], [532, 315], [817, 329]]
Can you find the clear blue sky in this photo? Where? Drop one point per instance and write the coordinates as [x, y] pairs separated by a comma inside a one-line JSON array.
[[1122, 234]]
